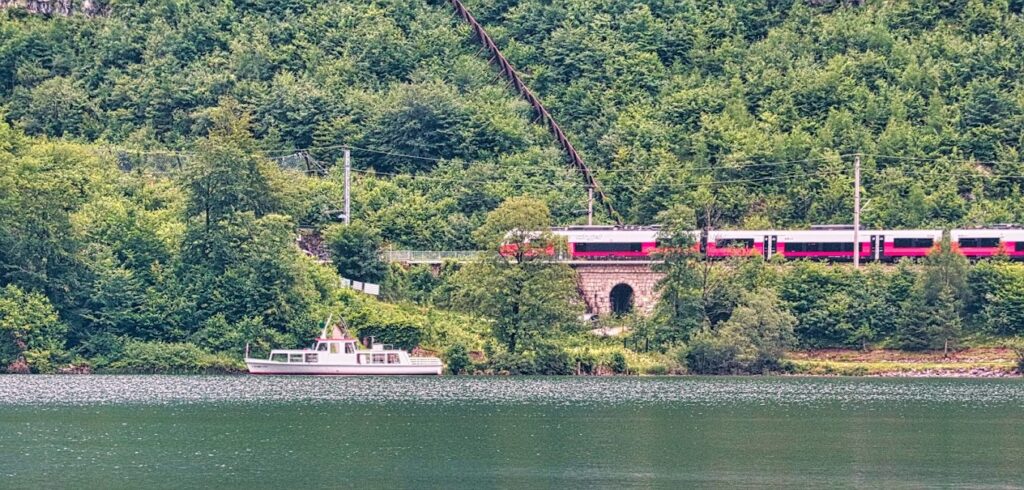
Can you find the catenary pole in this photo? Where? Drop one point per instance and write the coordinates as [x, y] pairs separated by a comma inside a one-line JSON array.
[[348, 186], [856, 211]]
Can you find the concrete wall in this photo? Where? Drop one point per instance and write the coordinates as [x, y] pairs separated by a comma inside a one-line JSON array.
[[597, 280]]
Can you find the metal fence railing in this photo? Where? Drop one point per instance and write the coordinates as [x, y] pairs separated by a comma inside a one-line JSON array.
[[429, 256], [442, 256]]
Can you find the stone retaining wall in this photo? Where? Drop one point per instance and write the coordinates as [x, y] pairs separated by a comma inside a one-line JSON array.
[[597, 280]]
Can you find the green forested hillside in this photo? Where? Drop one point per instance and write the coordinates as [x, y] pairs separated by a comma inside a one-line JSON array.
[[692, 102], [735, 113]]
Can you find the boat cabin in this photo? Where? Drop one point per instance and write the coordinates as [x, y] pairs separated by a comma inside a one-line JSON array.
[[343, 350]]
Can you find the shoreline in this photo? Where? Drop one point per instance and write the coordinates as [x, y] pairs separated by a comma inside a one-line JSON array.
[[976, 362]]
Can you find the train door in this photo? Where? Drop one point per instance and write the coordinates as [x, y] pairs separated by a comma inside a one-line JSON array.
[[877, 247], [770, 246]]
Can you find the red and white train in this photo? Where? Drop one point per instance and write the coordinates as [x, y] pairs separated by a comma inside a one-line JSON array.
[[822, 242]]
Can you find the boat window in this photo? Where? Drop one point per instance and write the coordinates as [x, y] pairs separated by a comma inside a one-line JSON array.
[[392, 358], [378, 358], [322, 347], [334, 347], [979, 242], [913, 242], [294, 357], [349, 348], [279, 357], [363, 359], [311, 358]]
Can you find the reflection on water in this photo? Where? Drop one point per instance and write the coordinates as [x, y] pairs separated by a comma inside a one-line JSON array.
[[242, 431]]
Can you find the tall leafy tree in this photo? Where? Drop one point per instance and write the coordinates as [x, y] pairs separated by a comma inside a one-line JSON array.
[[526, 295], [684, 288], [355, 252]]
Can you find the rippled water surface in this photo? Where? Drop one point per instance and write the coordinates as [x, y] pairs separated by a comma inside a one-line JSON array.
[[315, 432]]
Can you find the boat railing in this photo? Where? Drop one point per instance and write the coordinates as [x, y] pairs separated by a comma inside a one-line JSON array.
[[424, 361]]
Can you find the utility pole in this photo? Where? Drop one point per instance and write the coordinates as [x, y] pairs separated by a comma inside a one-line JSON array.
[[856, 211], [590, 205], [348, 186]]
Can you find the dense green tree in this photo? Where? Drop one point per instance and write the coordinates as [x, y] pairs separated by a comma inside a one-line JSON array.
[[30, 331], [59, 106], [227, 176], [526, 295], [356, 252], [680, 309], [946, 324], [41, 186], [765, 327]]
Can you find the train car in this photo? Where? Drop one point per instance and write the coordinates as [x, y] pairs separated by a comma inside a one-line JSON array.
[[599, 242], [822, 243], [828, 242], [988, 242], [896, 244], [736, 243], [817, 244]]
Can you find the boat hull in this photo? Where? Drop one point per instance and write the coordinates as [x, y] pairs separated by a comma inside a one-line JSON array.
[[262, 366]]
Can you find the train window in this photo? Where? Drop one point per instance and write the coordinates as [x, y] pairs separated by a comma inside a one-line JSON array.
[[609, 247], [1020, 246], [979, 242], [735, 243], [820, 247], [913, 242]]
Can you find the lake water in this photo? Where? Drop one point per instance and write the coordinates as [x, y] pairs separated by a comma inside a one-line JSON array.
[[522, 432]]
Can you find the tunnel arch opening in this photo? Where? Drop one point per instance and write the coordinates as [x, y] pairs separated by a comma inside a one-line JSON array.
[[621, 298]]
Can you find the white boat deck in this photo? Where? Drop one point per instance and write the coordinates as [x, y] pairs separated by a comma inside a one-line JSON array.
[[343, 357]]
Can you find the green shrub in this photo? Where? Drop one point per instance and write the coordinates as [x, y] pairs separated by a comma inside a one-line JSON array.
[[586, 362], [29, 328], [510, 363], [457, 358], [551, 360], [104, 345], [156, 357], [711, 354], [402, 335], [656, 369], [1017, 346], [40, 361], [619, 365]]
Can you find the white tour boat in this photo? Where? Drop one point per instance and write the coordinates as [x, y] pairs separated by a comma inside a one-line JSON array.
[[342, 357]]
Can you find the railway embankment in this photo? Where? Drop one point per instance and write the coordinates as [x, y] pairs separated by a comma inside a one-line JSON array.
[[976, 362]]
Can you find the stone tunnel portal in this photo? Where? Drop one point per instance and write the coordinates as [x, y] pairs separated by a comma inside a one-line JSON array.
[[621, 299]]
